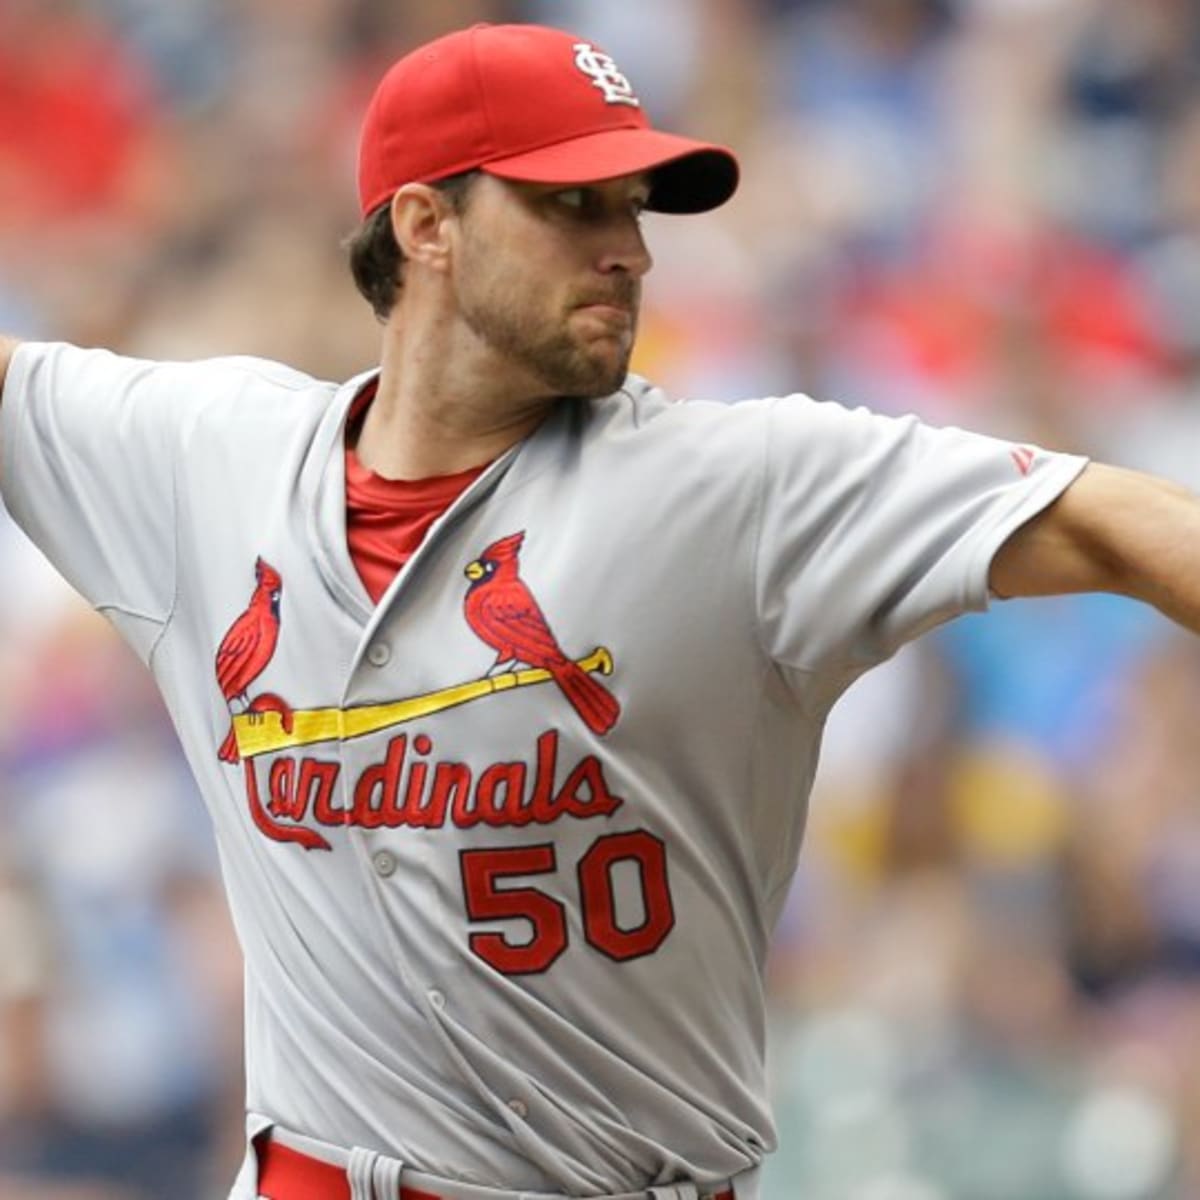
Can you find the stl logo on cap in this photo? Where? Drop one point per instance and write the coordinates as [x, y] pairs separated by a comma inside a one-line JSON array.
[[602, 71]]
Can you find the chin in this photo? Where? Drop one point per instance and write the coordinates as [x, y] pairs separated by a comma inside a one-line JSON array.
[[605, 382], [589, 380], [594, 391], [582, 367]]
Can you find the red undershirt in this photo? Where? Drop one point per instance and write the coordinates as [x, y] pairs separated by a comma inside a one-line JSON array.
[[387, 519]]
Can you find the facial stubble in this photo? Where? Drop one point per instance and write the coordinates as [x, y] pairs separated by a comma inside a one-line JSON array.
[[507, 318]]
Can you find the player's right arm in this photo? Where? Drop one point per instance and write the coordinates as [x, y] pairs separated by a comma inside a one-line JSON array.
[[87, 469]]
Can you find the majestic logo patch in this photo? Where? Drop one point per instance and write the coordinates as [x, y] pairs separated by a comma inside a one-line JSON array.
[[407, 788], [1023, 458], [603, 72]]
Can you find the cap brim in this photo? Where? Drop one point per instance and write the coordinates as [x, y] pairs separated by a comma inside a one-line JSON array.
[[687, 176]]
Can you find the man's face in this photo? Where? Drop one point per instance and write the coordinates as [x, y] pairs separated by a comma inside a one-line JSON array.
[[550, 277]]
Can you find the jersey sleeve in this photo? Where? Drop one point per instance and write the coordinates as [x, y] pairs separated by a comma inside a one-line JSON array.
[[873, 529], [87, 471]]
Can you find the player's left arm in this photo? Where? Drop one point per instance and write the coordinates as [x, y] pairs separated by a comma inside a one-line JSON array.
[[8, 346], [1112, 530]]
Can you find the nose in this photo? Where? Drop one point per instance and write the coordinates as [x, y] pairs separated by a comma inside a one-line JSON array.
[[625, 249]]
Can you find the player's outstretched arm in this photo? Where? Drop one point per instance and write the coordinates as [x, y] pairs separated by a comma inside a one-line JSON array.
[[7, 346], [1112, 530]]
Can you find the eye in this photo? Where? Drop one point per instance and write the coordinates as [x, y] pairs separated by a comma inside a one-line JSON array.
[[591, 203], [572, 198]]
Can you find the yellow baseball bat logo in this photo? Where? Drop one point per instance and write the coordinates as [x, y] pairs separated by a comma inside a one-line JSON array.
[[263, 732]]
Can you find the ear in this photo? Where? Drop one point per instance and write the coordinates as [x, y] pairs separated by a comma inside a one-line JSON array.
[[420, 220]]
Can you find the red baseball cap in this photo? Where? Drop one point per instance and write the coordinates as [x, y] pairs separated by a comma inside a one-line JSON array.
[[528, 103]]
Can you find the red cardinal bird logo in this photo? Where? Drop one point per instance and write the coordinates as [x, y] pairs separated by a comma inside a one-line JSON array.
[[246, 649], [503, 613]]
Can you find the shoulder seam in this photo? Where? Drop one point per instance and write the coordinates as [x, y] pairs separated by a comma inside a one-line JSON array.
[[126, 611], [287, 377]]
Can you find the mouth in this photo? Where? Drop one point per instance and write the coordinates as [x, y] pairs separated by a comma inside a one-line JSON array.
[[474, 571], [608, 308], [615, 316], [620, 298]]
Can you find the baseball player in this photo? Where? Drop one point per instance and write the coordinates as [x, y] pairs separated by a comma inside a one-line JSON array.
[[503, 677]]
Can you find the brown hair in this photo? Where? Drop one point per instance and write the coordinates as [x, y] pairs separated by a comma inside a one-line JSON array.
[[376, 260]]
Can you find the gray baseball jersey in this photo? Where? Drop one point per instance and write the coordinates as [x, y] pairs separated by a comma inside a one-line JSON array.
[[505, 851]]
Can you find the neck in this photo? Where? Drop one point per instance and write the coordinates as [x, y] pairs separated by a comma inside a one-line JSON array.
[[444, 404]]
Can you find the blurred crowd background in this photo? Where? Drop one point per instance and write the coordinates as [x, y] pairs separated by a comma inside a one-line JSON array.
[[987, 982]]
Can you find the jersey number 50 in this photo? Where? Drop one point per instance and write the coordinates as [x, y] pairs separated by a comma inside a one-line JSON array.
[[486, 900]]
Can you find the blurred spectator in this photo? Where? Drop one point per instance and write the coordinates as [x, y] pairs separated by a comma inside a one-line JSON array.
[[77, 117], [98, 804]]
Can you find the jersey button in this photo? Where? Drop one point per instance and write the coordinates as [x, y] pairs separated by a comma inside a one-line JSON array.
[[379, 654], [385, 863], [520, 1108]]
